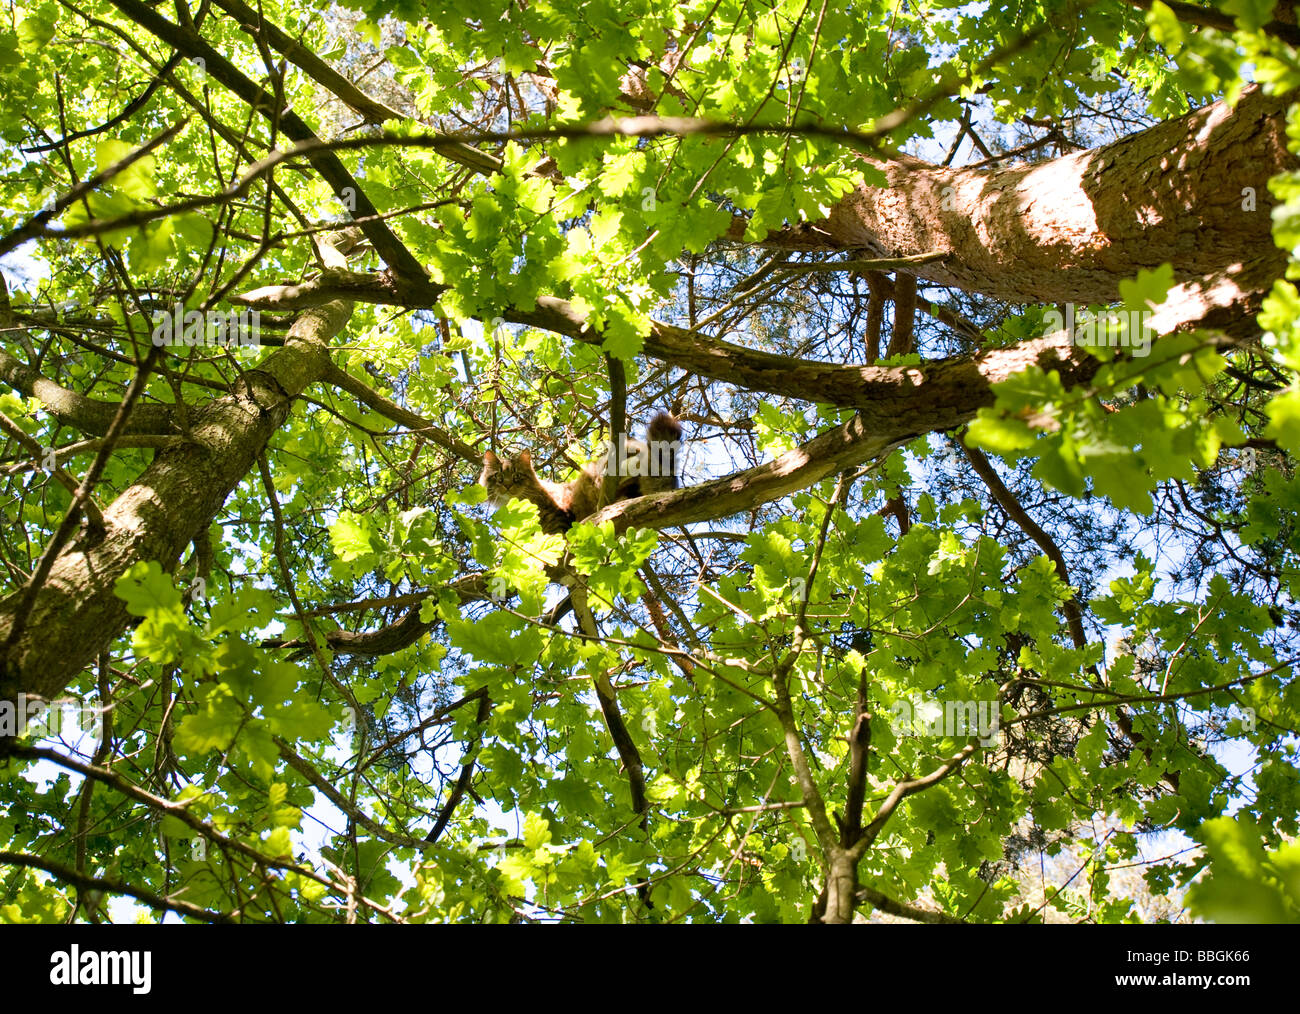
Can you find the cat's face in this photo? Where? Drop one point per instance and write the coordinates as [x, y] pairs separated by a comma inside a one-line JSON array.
[[507, 477]]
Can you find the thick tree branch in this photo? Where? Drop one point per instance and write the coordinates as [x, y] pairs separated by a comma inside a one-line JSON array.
[[76, 410], [859, 758], [70, 407], [1068, 230], [156, 517]]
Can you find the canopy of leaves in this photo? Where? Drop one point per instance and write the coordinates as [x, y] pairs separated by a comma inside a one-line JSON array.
[[362, 693]]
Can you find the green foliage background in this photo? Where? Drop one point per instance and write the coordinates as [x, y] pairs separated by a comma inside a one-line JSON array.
[[810, 602]]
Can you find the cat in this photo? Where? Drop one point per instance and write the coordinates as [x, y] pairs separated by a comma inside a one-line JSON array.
[[643, 467]]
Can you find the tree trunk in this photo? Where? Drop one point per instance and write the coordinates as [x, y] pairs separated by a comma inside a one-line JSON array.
[[841, 888], [1069, 229], [75, 614]]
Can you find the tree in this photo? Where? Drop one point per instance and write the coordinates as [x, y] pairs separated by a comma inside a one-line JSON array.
[[981, 334]]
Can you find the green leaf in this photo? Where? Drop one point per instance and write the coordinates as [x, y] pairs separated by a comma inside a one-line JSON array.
[[35, 31], [352, 537], [537, 831], [212, 727], [1246, 884]]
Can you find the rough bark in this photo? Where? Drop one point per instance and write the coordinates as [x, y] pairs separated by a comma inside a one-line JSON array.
[[898, 401], [88, 415], [1070, 229], [76, 614], [894, 405], [841, 888], [1065, 230]]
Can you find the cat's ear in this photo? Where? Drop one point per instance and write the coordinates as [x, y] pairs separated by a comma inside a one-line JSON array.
[[490, 460], [525, 458]]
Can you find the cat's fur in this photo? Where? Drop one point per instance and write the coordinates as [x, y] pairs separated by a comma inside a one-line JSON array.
[[641, 469]]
